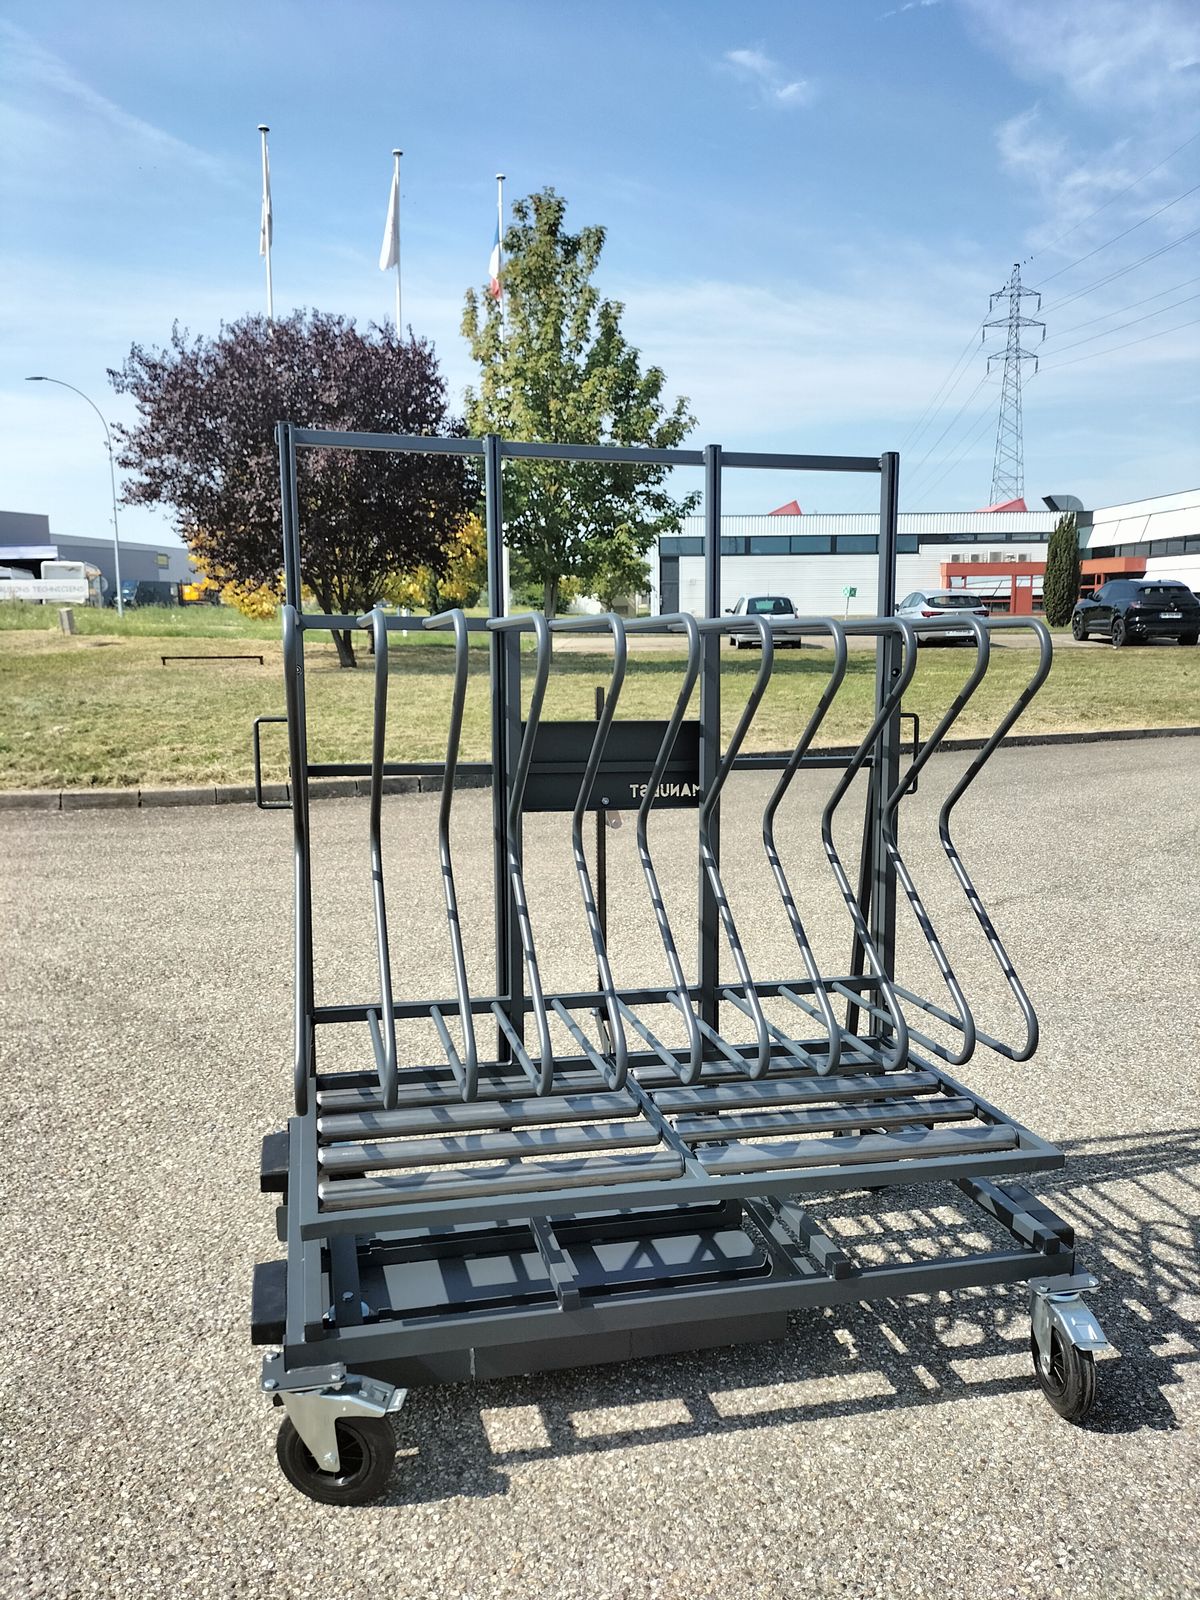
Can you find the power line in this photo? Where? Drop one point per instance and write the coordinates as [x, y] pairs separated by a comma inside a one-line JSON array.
[[1123, 234], [914, 433], [1103, 206], [1120, 272], [1117, 310], [1128, 345], [1121, 326], [973, 438], [921, 470], [951, 423]]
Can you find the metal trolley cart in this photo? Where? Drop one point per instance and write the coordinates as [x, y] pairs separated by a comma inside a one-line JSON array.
[[562, 1185]]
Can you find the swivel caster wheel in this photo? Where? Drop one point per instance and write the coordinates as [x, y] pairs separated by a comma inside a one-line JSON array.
[[1070, 1384], [367, 1448]]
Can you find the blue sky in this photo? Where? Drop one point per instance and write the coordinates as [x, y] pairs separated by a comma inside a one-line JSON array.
[[807, 206]]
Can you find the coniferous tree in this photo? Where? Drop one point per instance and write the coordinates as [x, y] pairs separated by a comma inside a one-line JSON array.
[[1060, 586]]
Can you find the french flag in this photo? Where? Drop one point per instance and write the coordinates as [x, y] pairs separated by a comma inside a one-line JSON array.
[[494, 267]]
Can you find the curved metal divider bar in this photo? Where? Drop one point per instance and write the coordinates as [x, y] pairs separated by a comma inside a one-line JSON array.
[[681, 999], [840, 658], [385, 1048], [617, 1069], [466, 1071], [1046, 654], [891, 702], [293, 688], [964, 1023], [762, 1060], [543, 1078]]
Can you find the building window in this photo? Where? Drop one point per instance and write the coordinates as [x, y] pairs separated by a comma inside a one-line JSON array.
[[906, 544], [811, 544], [850, 544]]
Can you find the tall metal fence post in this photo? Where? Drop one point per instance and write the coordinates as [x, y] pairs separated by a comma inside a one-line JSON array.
[[708, 946], [503, 915], [885, 773]]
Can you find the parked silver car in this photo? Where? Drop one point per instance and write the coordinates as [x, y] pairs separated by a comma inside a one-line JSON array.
[[776, 608], [941, 603]]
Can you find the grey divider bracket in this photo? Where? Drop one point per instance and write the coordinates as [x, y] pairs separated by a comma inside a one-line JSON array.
[[633, 1167]]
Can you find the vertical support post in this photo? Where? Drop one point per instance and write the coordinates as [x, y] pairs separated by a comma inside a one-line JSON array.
[[289, 500], [297, 717], [885, 773], [708, 945], [502, 907]]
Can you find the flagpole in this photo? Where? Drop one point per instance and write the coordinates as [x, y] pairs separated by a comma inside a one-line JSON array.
[[500, 230], [396, 154], [266, 227]]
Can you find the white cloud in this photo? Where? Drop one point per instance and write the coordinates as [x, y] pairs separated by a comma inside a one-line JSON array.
[[909, 5], [769, 80], [47, 105], [1109, 55]]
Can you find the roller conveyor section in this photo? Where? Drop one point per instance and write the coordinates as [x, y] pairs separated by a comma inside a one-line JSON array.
[[511, 1178]]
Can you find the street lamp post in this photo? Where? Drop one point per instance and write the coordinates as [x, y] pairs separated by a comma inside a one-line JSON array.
[[112, 475]]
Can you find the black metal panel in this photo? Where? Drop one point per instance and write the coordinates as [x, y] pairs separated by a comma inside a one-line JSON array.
[[273, 1163], [268, 1303], [560, 753]]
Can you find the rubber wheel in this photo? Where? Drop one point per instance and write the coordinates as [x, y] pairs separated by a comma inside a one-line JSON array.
[[367, 1447], [1071, 1385], [1120, 633], [1188, 638], [1078, 629]]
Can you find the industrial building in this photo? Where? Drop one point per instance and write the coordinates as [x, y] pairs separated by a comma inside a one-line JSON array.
[[999, 554], [26, 541]]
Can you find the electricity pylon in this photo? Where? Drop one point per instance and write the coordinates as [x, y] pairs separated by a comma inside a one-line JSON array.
[[1008, 465]]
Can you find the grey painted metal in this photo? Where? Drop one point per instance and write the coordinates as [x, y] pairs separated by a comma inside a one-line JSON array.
[[382, 1025], [707, 946], [539, 1150], [820, 711]]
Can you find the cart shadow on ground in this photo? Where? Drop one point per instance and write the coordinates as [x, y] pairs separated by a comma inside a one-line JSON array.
[[1134, 1201]]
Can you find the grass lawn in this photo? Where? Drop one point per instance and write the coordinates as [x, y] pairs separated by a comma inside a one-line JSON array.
[[101, 709]]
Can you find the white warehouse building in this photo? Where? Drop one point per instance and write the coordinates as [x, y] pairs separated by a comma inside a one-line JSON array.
[[814, 559]]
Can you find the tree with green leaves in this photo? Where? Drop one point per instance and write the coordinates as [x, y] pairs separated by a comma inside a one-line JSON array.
[[1060, 586], [556, 368], [624, 571]]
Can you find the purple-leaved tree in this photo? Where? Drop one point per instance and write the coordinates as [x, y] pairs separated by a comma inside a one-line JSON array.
[[204, 446]]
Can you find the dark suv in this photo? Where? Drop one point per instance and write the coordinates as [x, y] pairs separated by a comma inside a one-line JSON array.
[[1130, 610]]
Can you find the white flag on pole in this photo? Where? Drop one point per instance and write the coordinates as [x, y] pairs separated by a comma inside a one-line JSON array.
[[265, 230], [389, 252]]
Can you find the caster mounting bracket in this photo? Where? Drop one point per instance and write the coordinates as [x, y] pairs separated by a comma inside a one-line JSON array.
[[1058, 1303], [315, 1397]]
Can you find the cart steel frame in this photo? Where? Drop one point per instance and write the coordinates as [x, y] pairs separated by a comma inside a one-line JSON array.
[[585, 1191]]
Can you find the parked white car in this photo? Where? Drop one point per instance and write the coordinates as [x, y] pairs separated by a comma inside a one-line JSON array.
[[941, 603], [776, 608]]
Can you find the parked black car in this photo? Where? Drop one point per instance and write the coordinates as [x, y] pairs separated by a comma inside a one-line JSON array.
[[1130, 610]]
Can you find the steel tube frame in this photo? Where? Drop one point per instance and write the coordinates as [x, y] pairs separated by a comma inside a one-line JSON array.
[[807, 1268]]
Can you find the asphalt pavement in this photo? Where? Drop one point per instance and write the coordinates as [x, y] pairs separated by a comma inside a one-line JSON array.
[[897, 1450]]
